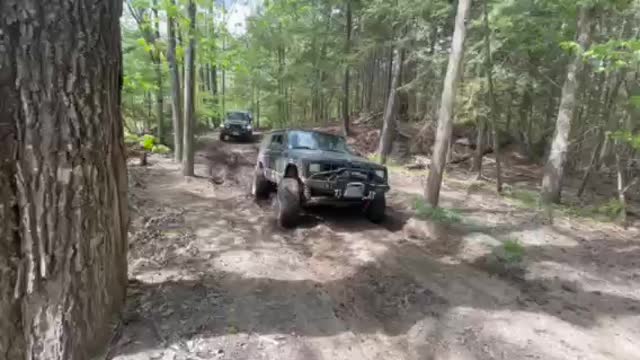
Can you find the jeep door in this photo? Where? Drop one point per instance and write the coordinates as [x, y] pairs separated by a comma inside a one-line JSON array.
[[273, 154]]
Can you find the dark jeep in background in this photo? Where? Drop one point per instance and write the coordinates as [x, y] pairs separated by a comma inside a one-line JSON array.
[[237, 125], [307, 167]]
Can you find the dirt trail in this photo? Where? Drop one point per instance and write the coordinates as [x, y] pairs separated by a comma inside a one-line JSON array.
[[213, 277]]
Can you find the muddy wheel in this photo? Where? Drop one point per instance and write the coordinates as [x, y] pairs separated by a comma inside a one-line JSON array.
[[260, 185], [288, 202], [375, 209], [223, 137]]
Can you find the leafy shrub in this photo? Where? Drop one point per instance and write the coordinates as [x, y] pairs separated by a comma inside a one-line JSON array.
[[611, 209], [147, 142], [426, 212], [131, 139], [511, 252], [160, 149], [505, 260]]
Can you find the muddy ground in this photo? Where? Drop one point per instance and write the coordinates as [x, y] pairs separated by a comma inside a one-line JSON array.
[[213, 277]]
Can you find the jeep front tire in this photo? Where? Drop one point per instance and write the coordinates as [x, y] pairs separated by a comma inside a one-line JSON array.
[[375, 209], [260, 185], [288, 202]]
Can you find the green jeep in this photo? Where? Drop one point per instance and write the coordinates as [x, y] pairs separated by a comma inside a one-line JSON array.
[[306, 166]]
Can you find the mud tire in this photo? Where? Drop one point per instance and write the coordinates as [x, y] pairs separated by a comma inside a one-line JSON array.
[[260, 187], [375, 209], [289, 207]]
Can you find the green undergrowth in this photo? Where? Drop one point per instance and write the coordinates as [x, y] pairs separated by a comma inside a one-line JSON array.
[[608, 211], [147, 142], [525, 198], [510, 252], [424, 211], [506, 260]]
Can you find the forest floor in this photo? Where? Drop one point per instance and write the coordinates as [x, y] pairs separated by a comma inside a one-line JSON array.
[[213, 277]]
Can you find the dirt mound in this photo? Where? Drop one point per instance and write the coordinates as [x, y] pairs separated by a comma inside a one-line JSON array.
[[365, 135]]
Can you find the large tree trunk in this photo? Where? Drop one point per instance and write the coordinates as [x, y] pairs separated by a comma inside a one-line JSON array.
[[391, 111], [445, 116], [554, 168], [176, 105], [189, 90], [345, 96], [63, 205], [12, 341]]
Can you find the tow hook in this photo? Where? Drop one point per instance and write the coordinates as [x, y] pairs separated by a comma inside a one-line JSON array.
[[371, 196]]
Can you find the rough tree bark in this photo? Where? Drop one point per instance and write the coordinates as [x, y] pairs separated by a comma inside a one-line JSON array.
[[554, 167], [391, 110], [63, 181], [189, 91], [443, 133], [176, 105], [345, 95]]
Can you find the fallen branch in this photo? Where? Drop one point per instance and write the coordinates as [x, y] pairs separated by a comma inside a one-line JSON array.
[[630, 185]]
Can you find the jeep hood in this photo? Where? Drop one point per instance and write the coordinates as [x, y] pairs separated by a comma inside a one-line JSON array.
[[329, 156], [237, 122]]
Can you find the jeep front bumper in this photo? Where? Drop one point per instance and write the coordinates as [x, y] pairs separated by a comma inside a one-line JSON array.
[[343, 189]]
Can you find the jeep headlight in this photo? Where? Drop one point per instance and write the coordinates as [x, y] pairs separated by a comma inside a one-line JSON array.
[[314, 168], [380, 174], [248, 126]]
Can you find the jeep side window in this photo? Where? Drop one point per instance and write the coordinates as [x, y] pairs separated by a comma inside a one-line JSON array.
[[276, 141]]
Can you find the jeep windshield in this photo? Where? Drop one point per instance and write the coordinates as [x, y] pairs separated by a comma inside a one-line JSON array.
[[235, 116], [311, 140]]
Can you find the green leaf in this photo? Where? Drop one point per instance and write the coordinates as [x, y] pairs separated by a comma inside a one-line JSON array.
[[148, 142]]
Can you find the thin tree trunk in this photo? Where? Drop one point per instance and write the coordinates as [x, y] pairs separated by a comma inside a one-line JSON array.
[[445, 116], [390, 114], [183, 45], [345, 97], [258, 110], [592, 163], [606, 111], [371, 79], [158, 71], [214, 90], [63, 178], [176, 105], [479, 153], [387, 85], [189, 90], [622, 198], [554, 168], [493, 115], [147, 121]]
